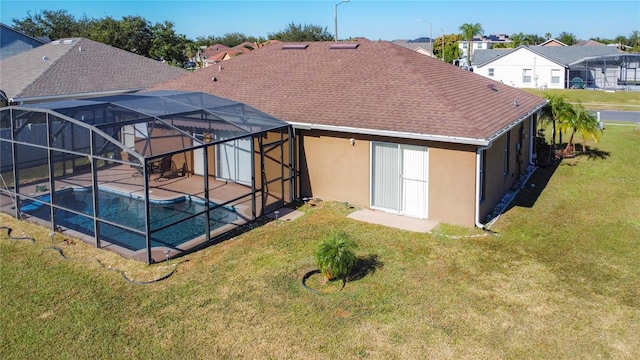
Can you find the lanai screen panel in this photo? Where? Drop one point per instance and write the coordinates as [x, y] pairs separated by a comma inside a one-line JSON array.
[[94, 167]]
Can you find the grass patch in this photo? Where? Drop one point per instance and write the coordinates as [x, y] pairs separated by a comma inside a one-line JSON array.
[[559, 281], [596, 99]]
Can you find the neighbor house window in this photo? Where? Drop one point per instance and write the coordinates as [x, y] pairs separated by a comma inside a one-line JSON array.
[[464, 45], [507, 142], [555, 76], [490, 71], [526, 76], [479, 45]]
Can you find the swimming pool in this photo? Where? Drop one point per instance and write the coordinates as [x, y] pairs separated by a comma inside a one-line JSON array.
[[128, 210]]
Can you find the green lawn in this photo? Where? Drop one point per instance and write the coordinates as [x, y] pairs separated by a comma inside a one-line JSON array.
[[596, 99], [561, 279]]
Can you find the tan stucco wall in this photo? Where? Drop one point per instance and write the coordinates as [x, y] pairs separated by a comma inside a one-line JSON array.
[[332, 169], [497, 182], [452, 184]]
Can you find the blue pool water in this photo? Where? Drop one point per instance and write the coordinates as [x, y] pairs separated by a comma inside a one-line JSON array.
[[128, 210]]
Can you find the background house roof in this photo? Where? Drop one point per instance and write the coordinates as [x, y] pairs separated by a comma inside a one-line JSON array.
[[589, 42], [13, 42], [375, 85], [79, 66], [563, 55], [418, 44], [553, 42]]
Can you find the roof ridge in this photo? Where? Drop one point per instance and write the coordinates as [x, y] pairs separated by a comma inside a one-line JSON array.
[[49, 68]]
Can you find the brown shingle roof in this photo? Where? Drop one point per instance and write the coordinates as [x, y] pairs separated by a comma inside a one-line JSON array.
[[379, 86], [77, 66]]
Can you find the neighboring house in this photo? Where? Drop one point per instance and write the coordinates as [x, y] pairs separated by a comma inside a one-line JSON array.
[[589, 43], [553, 42], [77, 68], [423, 45], [553, 67], [217, 53], [216, 58], [380, 126], [482, 43], [13, 42]]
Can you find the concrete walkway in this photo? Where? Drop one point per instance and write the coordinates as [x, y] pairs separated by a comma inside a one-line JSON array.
[[369, 216], [393, 220]]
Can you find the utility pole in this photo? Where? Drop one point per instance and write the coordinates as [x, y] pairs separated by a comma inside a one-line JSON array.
[[335, 16], [442, 44]]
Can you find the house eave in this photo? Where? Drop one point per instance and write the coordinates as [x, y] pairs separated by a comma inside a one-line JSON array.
[[24, 100], [416, 136], [389, 133], [517, 122]]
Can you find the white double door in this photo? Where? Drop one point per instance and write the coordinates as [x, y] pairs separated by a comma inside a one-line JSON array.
[[233, 159], [399, 178]]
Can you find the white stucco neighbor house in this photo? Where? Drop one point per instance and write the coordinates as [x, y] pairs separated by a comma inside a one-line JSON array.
[[549, 67], [482, 43]]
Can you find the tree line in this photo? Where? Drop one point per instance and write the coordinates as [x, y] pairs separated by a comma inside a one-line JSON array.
[[136, 34], [161, 42]]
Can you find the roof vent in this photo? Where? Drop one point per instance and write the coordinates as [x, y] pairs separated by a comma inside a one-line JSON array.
[[350, 46], [67, 41], [294, 46], [492, 87]]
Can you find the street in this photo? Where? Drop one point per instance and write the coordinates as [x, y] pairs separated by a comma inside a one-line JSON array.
[[627, 116]]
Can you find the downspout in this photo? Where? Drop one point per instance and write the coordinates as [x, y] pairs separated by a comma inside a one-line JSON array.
[[532, 139], [478, 164]]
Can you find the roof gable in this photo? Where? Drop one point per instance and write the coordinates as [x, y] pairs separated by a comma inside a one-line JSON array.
[[78, 66], [553, 42], [376, 86]]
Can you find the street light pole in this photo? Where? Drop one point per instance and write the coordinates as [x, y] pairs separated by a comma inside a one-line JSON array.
[[335, 16], [442, 44]]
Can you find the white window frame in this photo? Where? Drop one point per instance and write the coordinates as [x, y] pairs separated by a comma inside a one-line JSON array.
[[392, 194], [555, 76], [491, 72], [526, 76]]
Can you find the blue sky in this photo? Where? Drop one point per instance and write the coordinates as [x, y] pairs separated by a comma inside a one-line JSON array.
[[374, 19]]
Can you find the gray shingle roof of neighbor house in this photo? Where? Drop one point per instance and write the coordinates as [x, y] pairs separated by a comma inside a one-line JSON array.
[[373, 87], [420, 43], [79, 66], [561, 54], [13, 42]]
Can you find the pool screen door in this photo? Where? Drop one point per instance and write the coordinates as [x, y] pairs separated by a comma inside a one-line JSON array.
[[399, 178]]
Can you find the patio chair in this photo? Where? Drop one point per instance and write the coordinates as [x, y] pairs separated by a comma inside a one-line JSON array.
[[164, 168]]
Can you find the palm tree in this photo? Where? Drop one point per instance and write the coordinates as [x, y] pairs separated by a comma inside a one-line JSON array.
[[557, 111], [547, 36], [336, 256], [468, 32], [583, 121], [191, 50]]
